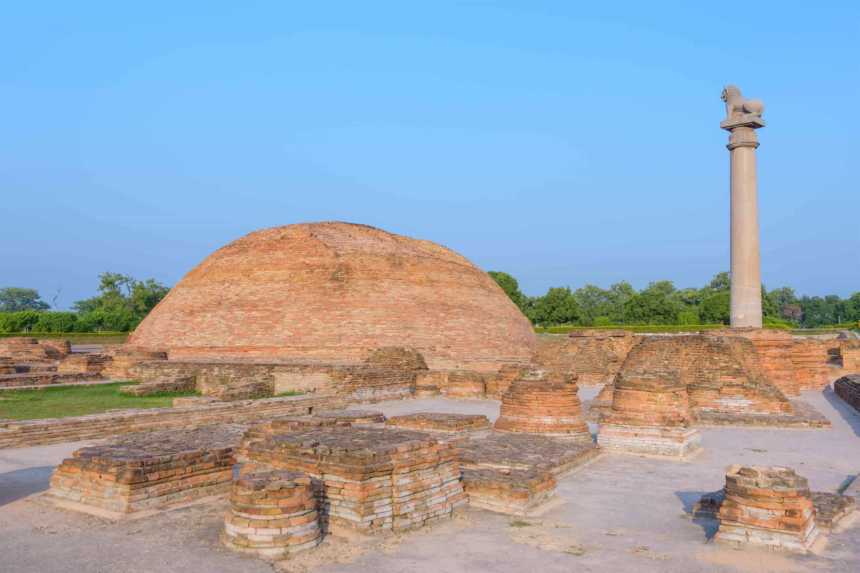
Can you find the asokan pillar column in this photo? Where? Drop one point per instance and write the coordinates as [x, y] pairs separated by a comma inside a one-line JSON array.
[[743, 117]]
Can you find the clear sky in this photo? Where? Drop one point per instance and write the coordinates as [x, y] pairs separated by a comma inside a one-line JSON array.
[[563, 142]]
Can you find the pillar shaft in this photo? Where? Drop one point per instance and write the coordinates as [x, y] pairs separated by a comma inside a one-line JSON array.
[[745, 253]]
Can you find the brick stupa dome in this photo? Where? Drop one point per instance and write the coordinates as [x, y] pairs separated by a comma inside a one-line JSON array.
[[333, 292]]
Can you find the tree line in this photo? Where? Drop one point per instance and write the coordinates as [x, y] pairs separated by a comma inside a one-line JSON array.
[[662, 303], [121, 303]]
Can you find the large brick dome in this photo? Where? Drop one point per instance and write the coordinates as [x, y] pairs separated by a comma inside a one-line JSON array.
[[333, 292]]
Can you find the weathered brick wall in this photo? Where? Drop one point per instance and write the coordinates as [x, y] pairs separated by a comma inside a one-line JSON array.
[[361, 382], [848, 388], [720, 373], [595, 356], [15, 434], [332, 293], [850, 351]]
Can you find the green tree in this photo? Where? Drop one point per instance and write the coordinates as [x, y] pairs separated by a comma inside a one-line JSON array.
[[511, 287], [13, 299], [715, 308], [557, 306], [653, 305], [121, 304], [592, 301]]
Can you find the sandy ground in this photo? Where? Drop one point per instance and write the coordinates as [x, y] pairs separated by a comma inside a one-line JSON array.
[[619, 513]]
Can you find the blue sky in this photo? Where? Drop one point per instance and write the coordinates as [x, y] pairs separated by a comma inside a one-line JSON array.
[[565, 143]]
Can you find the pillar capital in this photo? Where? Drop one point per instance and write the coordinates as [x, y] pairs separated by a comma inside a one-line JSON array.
[[742, 136]]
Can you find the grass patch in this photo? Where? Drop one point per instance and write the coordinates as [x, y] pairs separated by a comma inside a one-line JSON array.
[[77, 401], [290, 393], [75, 337]]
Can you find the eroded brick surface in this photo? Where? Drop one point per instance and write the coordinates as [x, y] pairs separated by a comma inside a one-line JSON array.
[[148, 471], [543, 407], [440, 422], [371, 478], [767, 506], [273, 514], [848, 388], [334, 292]]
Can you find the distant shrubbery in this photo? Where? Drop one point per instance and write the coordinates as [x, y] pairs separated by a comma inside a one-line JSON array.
[[660, 303], [121, 304]]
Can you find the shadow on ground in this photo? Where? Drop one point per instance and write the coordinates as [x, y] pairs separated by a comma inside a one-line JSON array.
[[18, 484], [689, 499]]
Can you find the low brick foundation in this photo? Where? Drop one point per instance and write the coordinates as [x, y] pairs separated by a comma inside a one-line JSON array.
[[848, 388], [273, 514], [512, 492], [670, 442], [436, 422], [767, 507], [372, 478], [147, 472], [17, 434], [515, 473]]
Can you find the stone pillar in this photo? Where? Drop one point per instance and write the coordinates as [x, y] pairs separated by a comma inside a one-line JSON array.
[[743, 117]]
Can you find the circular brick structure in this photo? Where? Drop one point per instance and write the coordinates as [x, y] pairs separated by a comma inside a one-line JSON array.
[[272, 514], [543, 407], [335, 292]]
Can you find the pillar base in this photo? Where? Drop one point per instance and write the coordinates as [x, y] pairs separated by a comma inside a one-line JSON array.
[[677, 442]]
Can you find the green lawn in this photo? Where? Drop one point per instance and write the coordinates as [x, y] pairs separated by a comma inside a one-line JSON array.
[[76, 401]]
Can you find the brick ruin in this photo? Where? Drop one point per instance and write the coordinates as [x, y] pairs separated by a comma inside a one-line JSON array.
[[850, 354], [273, 514], [593, 356], [848, 388], [371, 478], [440, 422], [147, 472], [268, 296], [516, 473], [650, 412], [769, 507], [543, 407], [724, 379]]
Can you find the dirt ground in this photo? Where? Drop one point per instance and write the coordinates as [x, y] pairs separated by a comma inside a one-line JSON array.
[[619, 513]]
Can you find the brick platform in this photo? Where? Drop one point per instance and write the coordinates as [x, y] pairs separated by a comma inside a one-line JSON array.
[[273, 514], [650, 411], [96, 426], [372, 479], [848, 388], [515, 473], [542, 407], [147, 472], [767, 507], [512, 492], [437, 422]]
